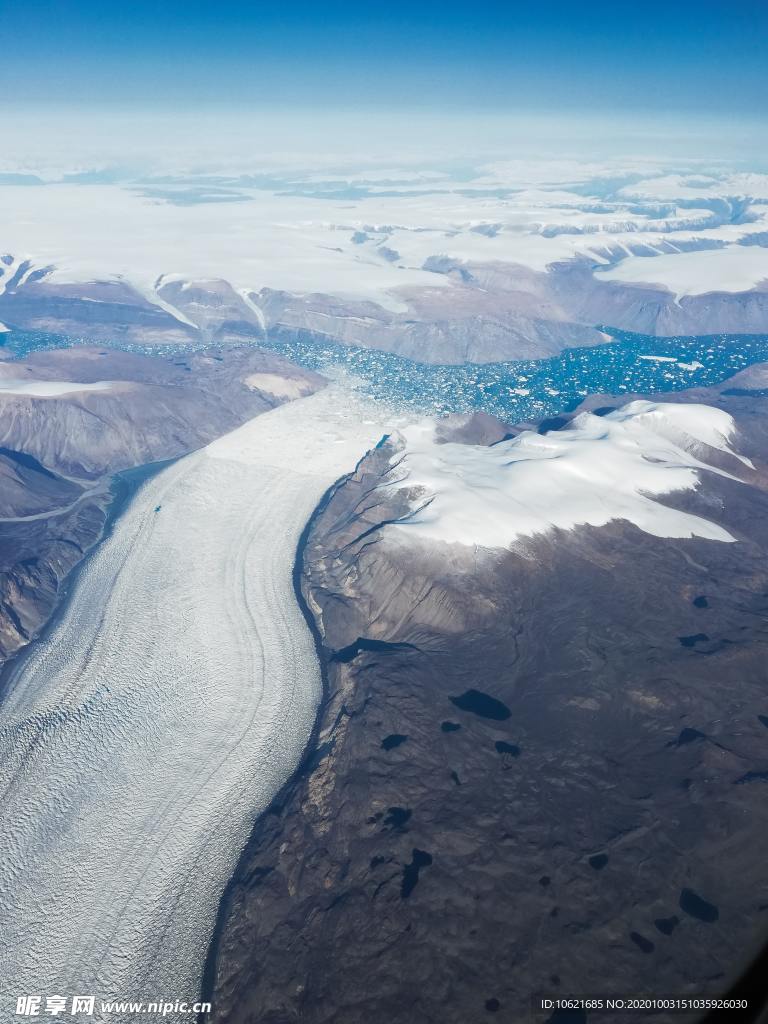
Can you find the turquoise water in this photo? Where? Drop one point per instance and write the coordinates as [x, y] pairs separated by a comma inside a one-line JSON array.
[[531, 389], [515, 390]]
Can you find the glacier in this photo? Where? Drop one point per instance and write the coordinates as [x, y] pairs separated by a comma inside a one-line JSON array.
[[141, 738]]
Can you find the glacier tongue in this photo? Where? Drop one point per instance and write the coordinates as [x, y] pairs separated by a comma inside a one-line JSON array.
[[140, 740]]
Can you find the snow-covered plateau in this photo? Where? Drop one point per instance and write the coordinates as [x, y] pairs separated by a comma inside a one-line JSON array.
[[491, 263], [378, 242], [730, 269], [141, 738]]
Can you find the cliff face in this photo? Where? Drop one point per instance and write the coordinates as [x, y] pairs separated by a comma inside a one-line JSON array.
[[654, 309], [536, 770], [496, 311], [60, 443], [36, 556], [489, 311], [152, 409]]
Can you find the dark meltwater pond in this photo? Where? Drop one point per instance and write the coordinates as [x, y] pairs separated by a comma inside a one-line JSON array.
[[481, 704]]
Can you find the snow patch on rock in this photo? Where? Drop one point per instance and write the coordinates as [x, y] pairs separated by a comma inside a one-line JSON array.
[[599, 469], [50, 388]]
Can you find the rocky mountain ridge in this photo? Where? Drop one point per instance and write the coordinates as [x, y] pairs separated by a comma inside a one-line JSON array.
[[534, 769], [60, 445], [487, 312]]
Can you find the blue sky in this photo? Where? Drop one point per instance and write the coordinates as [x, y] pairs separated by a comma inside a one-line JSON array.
[[648, 56]]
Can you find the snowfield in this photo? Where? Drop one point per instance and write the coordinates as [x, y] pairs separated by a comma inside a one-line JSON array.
[[736, 268], [599, 469], [172, 700], [50, 388], [374, 241]]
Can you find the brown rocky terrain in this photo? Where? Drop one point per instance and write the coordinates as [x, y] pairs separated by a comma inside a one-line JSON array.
[[479, 321], [58, 453], [99, 311], [536, 770], [653, 309], [488, 312]]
